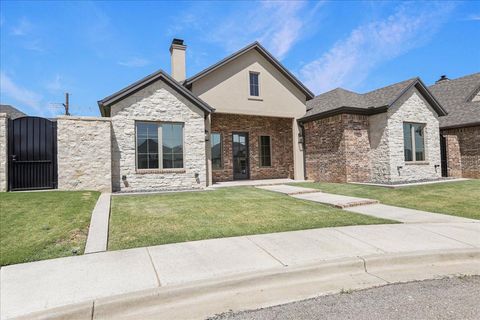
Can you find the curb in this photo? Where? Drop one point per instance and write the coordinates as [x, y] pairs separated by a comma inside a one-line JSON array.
[[200, 299]]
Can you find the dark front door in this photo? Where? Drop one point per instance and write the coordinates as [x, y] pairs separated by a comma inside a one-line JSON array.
[[443, 156], [240, 156], [32, 154]]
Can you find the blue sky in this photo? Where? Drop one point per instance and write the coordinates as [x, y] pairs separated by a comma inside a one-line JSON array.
[[93, 49]]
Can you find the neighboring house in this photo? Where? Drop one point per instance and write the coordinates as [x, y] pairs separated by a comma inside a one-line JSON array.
[[460, 129], [12, 112], [386, 135], [235, 120]]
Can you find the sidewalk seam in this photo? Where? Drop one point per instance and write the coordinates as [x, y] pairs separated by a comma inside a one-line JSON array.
[[362, 241], [439, 234], [263, 249], [159, 283]]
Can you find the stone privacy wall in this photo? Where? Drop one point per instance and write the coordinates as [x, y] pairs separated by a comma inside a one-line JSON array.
[[281, 140], [413, 108], [337, 149], [3, 152], [160, 103], [84, 153], [463, 152]]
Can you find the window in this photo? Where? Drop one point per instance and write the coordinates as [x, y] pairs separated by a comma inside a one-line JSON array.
[[216, 150], [413, 140], [150, 136], [265, 152], [254, 84]]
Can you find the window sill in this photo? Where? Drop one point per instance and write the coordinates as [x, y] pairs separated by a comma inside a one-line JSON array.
[[255, 98], [159, 171], [409, 163]]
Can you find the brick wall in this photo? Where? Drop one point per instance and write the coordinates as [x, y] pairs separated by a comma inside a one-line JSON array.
[[463, 152], [337, 149], [280, 132]]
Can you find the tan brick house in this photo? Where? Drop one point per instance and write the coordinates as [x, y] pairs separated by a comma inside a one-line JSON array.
[[460, 129], [237, 119]]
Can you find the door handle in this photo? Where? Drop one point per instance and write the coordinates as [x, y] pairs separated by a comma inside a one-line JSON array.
[[14, 157]]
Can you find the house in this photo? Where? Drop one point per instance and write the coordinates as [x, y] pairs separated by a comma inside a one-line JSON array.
[[237, 119], [388, 135], [460, 129], [11, 112]]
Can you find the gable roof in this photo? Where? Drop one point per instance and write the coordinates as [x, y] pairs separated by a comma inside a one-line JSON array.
[[339, 100], [142, 83], [267, 55], [11, 111], [456, 96]]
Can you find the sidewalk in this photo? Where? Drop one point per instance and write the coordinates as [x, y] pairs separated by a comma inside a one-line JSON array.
[[366, 206], [42, 285]]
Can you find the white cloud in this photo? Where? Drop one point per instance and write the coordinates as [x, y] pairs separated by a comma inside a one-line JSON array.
[[350, 60], [474, 17], [22, 95], [23, 27], [134, 62], [56, 84], [278, 25]]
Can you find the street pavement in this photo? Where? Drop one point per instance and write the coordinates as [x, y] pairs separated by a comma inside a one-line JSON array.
[[449, 298]]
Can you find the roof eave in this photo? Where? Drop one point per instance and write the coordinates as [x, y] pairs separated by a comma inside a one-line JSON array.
[[344, 110], [142, 83]]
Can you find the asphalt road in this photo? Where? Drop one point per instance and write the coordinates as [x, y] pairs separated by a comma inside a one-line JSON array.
[[449, 298]]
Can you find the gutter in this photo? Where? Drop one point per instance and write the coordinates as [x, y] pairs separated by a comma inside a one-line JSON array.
[[342, 110]]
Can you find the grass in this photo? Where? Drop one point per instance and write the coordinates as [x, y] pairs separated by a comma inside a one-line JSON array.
[[43, 225], [454, 198], [145, 220]]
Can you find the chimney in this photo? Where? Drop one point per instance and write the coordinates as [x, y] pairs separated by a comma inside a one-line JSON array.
[[177, 55], [442, 78]]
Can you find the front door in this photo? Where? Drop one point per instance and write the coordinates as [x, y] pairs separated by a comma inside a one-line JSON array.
[[240, 156]]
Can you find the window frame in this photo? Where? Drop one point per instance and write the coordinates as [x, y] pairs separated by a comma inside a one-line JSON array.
[[413, 143], [260, 154], [250, 84], [221, 150], [159, 125]]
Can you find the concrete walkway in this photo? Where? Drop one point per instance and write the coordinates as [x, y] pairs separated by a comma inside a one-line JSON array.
[[98, 231], [366, 206], [36, 286], [261, 182]]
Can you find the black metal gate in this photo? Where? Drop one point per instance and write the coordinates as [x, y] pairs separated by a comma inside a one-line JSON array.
[[443, 156], [32, 154]]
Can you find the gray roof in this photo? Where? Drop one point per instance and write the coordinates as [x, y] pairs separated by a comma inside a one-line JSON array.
[[12, 112], [267, 55], [142, 83], [343, 101], [456, 95]]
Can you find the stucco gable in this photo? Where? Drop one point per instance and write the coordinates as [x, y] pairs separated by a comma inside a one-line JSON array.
[[255, 46]]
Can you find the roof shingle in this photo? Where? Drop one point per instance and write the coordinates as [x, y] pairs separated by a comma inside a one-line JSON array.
[[455, 96]]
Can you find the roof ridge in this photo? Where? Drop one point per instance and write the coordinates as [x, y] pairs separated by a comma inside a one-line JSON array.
[[391, 85]]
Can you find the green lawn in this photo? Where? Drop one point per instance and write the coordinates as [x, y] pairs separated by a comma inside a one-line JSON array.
[[145, 220], [43, 225], [455, 198]]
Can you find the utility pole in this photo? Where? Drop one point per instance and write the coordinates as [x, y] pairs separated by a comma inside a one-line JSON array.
[[66, 104]]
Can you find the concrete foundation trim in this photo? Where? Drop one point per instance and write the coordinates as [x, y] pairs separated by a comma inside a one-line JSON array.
[[198, 300]]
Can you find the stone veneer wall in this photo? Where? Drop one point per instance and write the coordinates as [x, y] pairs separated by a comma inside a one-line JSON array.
[[463, 152], [84, 153], [3, 152], [337, 149], [160, 103], [413, 108], [281, 135]]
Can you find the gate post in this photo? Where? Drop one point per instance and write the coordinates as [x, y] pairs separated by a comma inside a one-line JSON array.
[[3, 152]]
